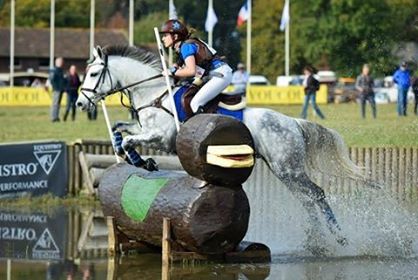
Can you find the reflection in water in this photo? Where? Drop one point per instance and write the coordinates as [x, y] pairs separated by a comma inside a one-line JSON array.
[[145, 267], [148, 267], [349, 268], [44, 244], [69, 269], [33, 236]]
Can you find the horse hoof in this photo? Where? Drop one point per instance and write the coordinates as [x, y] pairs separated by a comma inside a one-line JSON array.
[[150, 165]]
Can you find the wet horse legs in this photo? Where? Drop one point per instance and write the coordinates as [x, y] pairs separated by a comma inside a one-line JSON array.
[[304, 188]]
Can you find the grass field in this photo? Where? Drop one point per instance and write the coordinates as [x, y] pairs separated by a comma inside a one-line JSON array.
[[32, 123]]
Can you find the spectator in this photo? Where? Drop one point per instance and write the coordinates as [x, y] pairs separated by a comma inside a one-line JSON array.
[[311, 85], [88, 272], [26, 83], [415, 90], [73, 83], [37, 83], [402, 79], [57, 80], [364, 84], [240, 79]]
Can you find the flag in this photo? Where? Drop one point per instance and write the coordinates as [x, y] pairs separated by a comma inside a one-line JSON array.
[[243, 14], [211, 19], [285, 16], [172, 13]]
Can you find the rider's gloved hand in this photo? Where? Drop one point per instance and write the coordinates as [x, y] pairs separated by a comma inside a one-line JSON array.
[[173, 70], [169, 72]]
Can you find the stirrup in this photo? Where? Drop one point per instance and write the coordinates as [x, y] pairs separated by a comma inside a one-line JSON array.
[[200, 110]]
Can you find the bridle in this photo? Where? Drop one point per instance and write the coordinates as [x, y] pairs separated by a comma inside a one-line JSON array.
[[101, 79], [124, 89]]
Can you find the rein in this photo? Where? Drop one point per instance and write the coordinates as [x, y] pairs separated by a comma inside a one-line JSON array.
[[131, 85], [157, 103]]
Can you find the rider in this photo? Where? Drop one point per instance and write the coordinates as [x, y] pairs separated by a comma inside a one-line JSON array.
[[198, 60]]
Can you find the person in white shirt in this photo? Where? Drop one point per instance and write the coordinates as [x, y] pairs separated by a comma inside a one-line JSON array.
[[240, 79]]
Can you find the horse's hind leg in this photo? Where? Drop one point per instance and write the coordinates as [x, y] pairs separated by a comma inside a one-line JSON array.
[[309, 189], [315, 239], [310, 195]]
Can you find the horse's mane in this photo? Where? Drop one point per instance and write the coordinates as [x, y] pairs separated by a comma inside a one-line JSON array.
[[138, 54]]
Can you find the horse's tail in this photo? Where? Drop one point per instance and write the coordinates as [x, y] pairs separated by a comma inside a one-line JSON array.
[[327, 153]]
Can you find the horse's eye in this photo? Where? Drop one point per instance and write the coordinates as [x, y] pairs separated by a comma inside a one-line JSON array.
[[94, 74]]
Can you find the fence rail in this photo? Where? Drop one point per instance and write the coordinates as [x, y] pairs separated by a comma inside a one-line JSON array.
[[396, 168]]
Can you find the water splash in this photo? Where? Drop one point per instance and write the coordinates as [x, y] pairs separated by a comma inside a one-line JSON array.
[[374, 223]]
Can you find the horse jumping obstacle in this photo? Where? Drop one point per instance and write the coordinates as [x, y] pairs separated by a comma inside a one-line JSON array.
[[209, 212], [93, 166]]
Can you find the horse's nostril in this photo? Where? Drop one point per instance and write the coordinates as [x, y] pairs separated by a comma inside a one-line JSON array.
[[79, 104]]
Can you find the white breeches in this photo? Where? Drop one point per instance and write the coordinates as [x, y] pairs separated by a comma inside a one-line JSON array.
[[213, 87]]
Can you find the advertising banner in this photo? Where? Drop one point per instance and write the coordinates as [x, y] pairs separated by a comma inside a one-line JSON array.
[[33, 168], [26, 96], [274, 95], [33, 236]]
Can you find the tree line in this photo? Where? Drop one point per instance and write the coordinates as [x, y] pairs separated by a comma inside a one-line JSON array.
[[340, 35]]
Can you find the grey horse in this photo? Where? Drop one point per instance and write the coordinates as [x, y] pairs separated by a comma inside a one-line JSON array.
[[291, 147]]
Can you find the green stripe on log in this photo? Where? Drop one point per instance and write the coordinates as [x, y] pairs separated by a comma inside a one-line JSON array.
[[138, 194]]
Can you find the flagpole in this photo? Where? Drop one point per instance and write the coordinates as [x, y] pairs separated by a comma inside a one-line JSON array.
[[287, 47], [249, 22], [131, 22], [52, 35], [170, 15], [92, 20], [12, 42], [210, 32]]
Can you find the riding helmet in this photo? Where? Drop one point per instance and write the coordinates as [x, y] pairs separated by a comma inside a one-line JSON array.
[[174, 26]]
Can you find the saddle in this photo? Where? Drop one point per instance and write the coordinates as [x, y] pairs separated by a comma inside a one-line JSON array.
[[229, 101]]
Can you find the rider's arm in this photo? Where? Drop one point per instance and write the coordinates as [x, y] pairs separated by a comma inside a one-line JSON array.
[[188, 69], [187, 52]]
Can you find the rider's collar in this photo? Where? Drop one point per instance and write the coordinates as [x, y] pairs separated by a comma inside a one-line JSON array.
[[177, 46]]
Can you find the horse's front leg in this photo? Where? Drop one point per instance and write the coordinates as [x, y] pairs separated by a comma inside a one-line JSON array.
[[128, 127], [118, 128], [156, 141], [158, 132], [150, 140]]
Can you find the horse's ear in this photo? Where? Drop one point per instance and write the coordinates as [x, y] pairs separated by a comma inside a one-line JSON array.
[[98, 52], [95, 54]]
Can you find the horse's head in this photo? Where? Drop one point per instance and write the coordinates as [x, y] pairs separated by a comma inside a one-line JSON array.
[[97, 81]]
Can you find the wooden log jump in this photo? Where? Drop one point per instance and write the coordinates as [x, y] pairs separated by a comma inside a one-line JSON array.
[[203, 213], [93, 166]]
